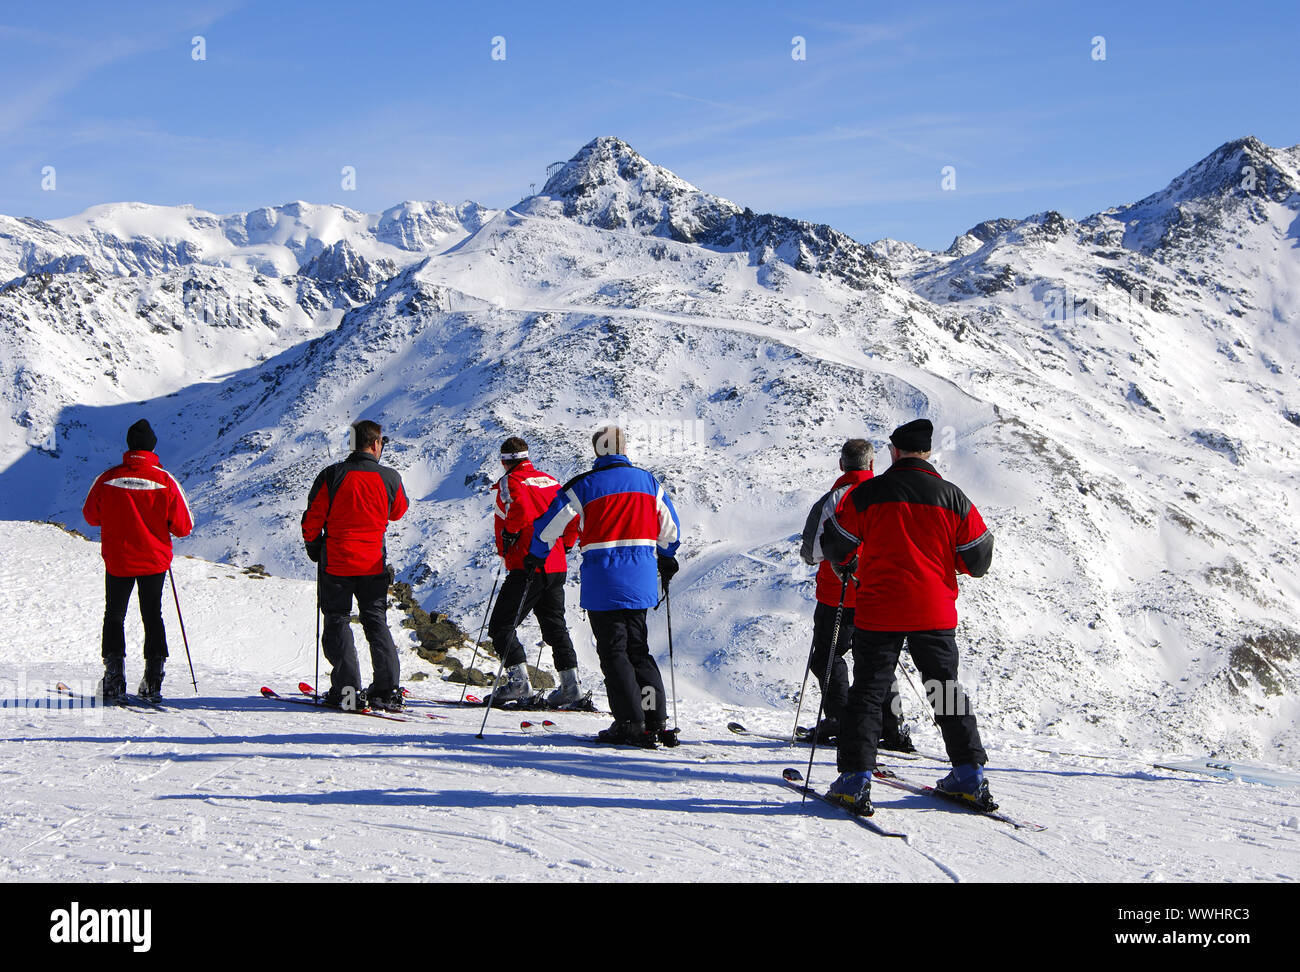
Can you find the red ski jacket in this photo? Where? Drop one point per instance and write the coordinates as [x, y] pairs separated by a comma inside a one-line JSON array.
[[828, 585], [913, 533], [352, 501], [523, 494], [138, 507]]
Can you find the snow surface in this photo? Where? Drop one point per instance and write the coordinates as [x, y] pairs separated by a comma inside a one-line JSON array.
[[229, 787]]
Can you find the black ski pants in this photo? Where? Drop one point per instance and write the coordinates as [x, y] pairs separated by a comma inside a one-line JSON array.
[[632, 680], [875, 657], [371, 593], [836, 694], [545, 598], [117, 597]]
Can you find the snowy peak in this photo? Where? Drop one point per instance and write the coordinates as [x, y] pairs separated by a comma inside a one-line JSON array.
[[610, 186], [339, 261], [1219, 197], [426, 225], [1242, 175], [1245, 165], [611, 164], [978, 235]]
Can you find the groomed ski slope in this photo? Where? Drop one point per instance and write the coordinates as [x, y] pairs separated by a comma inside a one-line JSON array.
[[226, 786]]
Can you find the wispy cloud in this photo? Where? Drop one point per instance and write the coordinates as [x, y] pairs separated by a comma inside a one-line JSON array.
[[76, 58]]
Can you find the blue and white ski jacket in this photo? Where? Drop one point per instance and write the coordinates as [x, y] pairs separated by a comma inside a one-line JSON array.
[[625, 520]]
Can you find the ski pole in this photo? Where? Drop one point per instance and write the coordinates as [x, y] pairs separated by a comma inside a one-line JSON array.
[[830, 663], [812, 650], [799, 708], [541, 643], [183, 638], [921, 698], [316, 683], [482, 628], [672, 670], [519, 616]]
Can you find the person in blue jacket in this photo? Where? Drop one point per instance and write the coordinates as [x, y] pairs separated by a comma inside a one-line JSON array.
[[629, 534]]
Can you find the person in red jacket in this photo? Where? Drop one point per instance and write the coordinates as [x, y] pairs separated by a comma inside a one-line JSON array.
[[138, 507], [349, 506], [911, 533], [523, 494], [856, 460]]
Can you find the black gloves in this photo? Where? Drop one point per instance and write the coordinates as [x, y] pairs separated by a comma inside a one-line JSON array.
[[508, 540], [846, 571], [314, 548], [533, 563], [668, 566]]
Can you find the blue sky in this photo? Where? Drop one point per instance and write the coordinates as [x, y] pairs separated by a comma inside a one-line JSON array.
[[856, 135]]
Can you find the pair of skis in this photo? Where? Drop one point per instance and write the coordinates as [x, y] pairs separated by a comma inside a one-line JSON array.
[[127, 702], [532, 704], [794, 779], [890, 778], [309, 698], [802, 735], [546, 725]]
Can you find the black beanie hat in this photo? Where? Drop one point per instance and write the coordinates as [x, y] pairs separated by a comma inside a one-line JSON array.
[[915, 436], [140, 437]]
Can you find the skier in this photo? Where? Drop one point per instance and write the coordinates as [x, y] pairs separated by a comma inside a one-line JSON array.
[[138, 507], [348, 508], [523, 494], [856, 461], [628, 530], [911, 533]]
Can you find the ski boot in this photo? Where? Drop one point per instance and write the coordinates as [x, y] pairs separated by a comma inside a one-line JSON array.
[[824, 732], [112, 687], [899, 741], [664, 736], [391, 700], [853, 792], [966, 784], [151, 685], [627, 734], [348, 699], [515, 687], [569, 692]]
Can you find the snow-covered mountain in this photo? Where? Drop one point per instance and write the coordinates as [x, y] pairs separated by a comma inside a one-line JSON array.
[[608, 186], [1117, 395], [127, 301]]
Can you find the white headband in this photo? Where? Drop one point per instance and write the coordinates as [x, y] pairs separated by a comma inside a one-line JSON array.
[[509, 456]]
